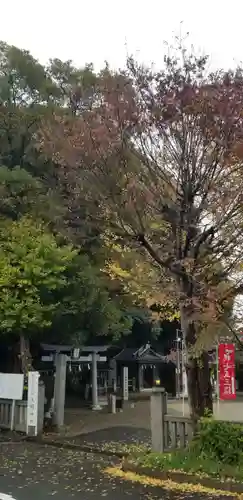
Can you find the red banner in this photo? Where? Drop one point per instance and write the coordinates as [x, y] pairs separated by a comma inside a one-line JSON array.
[[226, 358]]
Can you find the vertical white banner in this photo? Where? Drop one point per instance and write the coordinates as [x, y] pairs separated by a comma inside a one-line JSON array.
[[32, 407]]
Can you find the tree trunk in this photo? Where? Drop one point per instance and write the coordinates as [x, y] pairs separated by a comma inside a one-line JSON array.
[[199, 386], [25, 356], [200, 394]]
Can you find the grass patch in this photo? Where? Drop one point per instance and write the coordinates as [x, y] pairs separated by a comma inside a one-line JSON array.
[[191, 463]]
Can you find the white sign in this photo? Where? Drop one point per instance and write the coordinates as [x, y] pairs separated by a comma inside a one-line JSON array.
[[32, 408], [11, 385], [125, 383]]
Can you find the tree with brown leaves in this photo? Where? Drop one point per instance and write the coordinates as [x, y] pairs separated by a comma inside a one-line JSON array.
[[161, 155]]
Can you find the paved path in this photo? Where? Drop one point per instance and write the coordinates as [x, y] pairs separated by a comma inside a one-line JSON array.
[[122, 435], [84, 421], [31, 472]]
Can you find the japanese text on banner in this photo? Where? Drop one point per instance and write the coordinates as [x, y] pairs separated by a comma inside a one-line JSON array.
[[226, 356]]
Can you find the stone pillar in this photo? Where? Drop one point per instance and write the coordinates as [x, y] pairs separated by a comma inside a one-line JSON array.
[[158, 409], [60, 389], [32, 404], [125, 383], [140, 377], [95, 402], [112, 403]]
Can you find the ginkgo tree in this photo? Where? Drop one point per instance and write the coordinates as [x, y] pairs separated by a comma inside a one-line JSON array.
[[32, 267]]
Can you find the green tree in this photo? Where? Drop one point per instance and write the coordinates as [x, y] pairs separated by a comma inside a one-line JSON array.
[[23, 80], [22, 194], [32, 267], [48, 289], [89, 308]]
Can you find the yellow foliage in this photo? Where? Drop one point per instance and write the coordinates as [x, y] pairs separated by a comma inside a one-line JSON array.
[[140, 278], [168, 484]]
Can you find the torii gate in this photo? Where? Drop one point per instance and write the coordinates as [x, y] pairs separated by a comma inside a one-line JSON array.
[[60, 360]]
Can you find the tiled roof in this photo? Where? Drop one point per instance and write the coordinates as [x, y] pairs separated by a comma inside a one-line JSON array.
[[146, 355]]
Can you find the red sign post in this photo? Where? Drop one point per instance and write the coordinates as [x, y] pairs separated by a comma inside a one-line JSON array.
[[226, 357]]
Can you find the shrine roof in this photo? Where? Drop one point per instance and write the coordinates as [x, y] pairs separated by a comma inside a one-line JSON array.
[[143, 355]]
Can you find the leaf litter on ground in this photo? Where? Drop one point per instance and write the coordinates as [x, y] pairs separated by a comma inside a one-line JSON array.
[[73, 473], [170, 485]]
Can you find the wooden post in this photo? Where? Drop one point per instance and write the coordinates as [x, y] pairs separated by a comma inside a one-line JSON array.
[[158, 409]]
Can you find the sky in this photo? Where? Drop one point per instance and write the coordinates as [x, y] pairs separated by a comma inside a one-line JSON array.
[[95, 31]]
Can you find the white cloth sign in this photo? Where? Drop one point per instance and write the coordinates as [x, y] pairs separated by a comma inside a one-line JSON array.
[[11, 386]]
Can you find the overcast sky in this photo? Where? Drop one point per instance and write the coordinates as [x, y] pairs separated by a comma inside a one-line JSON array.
[[95, 30]]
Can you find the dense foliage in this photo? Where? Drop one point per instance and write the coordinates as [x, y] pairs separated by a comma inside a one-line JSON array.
[[220, 441], [160, 153], [62, 277], [128, 188]]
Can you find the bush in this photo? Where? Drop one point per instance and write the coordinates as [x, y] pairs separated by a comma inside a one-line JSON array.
[[219, 440], [216, 451]]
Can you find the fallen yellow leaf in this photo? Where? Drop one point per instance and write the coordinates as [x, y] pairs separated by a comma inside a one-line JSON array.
[[168, 484]]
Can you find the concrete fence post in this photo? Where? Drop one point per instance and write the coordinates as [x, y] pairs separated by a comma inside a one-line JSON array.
[[158, 410]]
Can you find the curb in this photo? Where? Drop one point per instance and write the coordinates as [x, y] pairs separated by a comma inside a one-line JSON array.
[[77, 447], [182, 477]]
